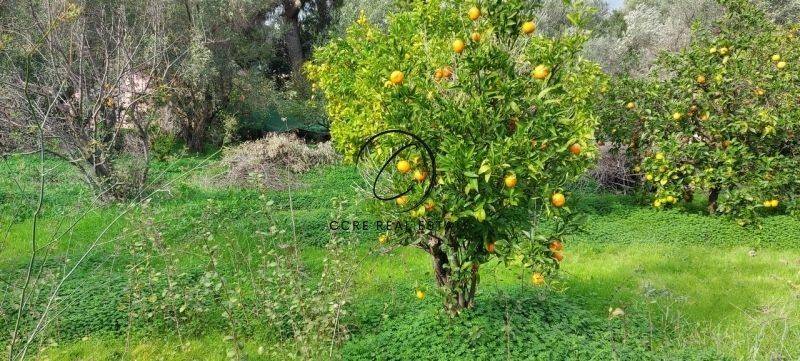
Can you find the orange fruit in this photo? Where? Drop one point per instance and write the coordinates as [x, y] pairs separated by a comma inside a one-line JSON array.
[[701, 79], [556, 246], [438, 74], [402, 200], [403, 166], [723, 50], [528, 27], [677, 116], [447, 72], [781, 64], [760, 92], [420, 176], [476, 37], [490, 247], [474, 13], [575, 149], [537, 278], [383, 238], [397, 77], [420, 295], [430, 205], [510, 181], [558, 256], [630, 105], [776, 57], [541, 72], [558, 200], [774, 203], [458, 46]]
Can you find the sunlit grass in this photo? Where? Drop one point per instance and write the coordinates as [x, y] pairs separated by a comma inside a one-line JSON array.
[[702, 281]]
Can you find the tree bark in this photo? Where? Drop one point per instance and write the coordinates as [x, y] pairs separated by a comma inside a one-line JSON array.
[[713, 196], [294, 44], [460, 291]]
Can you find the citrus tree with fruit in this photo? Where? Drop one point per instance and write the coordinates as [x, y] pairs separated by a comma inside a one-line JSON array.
[[507, 114], [623, 107], [727, 121]]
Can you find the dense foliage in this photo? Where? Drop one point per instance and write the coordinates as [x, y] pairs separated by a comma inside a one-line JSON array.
[[723, 120]]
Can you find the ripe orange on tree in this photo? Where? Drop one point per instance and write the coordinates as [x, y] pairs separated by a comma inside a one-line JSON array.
[[475, 36], [403, 166], [575, 149], [401, 201], [447, 72], [474, 13], [458, 46], [558, 200], [397, 77], [528, 27], [541, 72], [430, 205], [510, 181]]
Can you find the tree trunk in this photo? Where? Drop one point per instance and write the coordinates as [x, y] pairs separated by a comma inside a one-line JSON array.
[[324, 14], [294, 44], [459, 289], [195, 138], [688, 194], [713, 196]]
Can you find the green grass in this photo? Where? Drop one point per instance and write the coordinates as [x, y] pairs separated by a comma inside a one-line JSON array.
[[686, 281]]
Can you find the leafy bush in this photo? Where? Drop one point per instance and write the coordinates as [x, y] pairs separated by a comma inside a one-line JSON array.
[[164, 144], [268, 160], [508, 114]]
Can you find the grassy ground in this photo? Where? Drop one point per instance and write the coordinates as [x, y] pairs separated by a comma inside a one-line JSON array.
[[691, 286]]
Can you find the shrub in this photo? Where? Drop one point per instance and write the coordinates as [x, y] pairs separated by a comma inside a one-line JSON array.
[[725, 121], [613, 171], [508, 114], [268, 160]]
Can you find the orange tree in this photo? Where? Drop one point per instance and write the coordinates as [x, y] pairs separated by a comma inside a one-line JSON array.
[[507, 113], [727, 119], [623, 107]]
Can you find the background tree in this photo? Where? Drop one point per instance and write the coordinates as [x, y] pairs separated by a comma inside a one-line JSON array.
[[86, 73], [726, 121]]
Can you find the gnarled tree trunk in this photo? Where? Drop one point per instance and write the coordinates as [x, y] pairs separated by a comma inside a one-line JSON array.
[[459, 287]]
